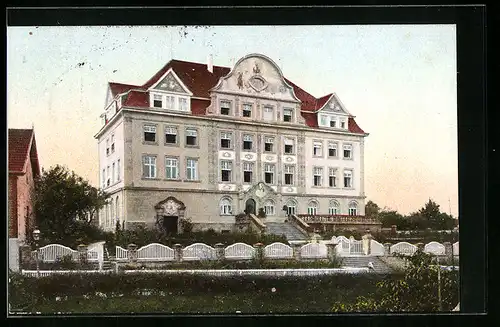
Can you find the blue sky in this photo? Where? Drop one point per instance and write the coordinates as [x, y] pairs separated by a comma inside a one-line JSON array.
[[398, 80]]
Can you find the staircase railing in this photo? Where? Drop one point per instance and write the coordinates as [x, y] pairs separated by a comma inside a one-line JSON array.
[[257, 224], [301, 225]]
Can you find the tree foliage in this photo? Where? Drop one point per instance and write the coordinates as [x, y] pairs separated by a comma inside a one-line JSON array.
[[66, 205], [371, 209], [415, 291]]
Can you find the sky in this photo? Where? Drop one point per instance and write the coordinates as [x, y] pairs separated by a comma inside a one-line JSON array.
[[398, 80]]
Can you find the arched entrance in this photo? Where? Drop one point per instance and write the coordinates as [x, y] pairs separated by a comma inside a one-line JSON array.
[[169, 214], [250, 206]]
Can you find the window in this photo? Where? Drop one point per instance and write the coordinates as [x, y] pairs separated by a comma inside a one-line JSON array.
[[332, 149], [269, 208], [342, 123], [225, 140], [183, 104], [192, 169], [107, 147], [247, 142], [333, 208], [287, 115], [318, 149], [269, 173], [318, 176], [112, 143], [323, 120], [291, 207], [149, 133], [103, 178], [225, 107], [149, 166], [247, 172], [289, 142], [169, 102], [268, 144], [353, 208], [157, 101], [108, 175], [191, 137], [347, 151], [171, 168], [113, 173], [247, 110], [226, 206], [289, 172], [118, 170], [226, 167], [112, 210], [171, 135], [333, 123], [312, 208], [268, 113], [332, 177], [347, 178]]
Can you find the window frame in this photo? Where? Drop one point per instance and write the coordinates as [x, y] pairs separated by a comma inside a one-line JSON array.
[[228, 204], [321, 145], [351, 186], [273, 172], [231, 138], [294, 142], [252, 142], [336, 148], [350, 208], [196, 138], [155, 95], [285, 172], [272, 205], [333, 204], [312, 211], [273, 143], [196, 169], [145, 164], [174, 127], [291, 115], [334, 169], [273, 115], [149, 125], [230, 107], [350, 149], [252, 166], [320, 176], [230, 170], [177, 168], [243, 109]]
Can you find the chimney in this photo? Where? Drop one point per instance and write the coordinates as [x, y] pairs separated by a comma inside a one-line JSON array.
[[210, 65]]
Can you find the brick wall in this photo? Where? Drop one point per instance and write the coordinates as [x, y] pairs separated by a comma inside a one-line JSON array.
[[12, 206]]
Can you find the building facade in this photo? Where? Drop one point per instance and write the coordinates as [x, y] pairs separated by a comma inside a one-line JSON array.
[[23, 169], [207, 142]]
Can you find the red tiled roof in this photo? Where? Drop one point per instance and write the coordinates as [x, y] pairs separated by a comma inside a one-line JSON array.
[[199, 81], [22, 146]]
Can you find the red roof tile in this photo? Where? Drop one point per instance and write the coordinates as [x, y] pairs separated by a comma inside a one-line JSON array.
[[199, 81], [22, 146]]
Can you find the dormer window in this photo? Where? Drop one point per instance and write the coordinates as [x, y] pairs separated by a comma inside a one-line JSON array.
[[157, 101], [225, 108], [287, 115], [183, 105], [268, 113], [323, 120], [342, 123], [333, 123]]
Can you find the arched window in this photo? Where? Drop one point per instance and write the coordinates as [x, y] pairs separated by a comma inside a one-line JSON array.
[[117, 210], [291, 207], [269, 208], [334, 208], [226, 206], [312, 208], [353, 208]]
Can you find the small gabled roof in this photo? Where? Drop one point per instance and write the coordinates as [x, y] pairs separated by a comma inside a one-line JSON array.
[[22, 147]]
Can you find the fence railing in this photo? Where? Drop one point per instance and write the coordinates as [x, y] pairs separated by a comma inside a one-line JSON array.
[[337, 219]]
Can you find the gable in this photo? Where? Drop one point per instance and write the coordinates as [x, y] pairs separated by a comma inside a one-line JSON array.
[[20, 141], [257, 75], [334, 106], [170, 82]]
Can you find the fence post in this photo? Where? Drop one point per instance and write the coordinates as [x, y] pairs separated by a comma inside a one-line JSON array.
[[421, 246], [132, 253], [387, 249], [219, 251], [25, 254], [367, 242], [259, 251], [296, 251], [448, 251], [330, 250], [178, 252], [82, 253]]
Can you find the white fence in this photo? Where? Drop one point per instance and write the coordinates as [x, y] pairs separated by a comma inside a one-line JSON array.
[[54, 252], [198, 251], [239, 251], [278, 250], [313, 251], [404, 248], [45, 273], [434, 248], [455, 248], [377, 248], [255, 272], [155, 252]]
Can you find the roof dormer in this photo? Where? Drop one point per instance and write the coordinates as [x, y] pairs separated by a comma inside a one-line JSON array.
[[170, 93], [333, 114]]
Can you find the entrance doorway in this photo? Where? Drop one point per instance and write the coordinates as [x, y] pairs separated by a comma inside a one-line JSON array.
[[250, 206], [170, 224]]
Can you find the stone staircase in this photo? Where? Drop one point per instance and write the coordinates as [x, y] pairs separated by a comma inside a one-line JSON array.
[[107, 264], [291, 232], [362, 262]]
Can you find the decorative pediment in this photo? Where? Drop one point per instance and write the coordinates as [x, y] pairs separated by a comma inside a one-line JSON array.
[[170, 206], [170, 82], [257, 75], [333, 105], [260, 191]]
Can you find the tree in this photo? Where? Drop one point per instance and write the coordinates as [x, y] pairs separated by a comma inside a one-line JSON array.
[[416, 290], [371, 209], [391, 217], [65, 204]]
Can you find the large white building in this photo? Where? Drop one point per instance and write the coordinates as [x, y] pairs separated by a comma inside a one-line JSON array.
[[206, 142]]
